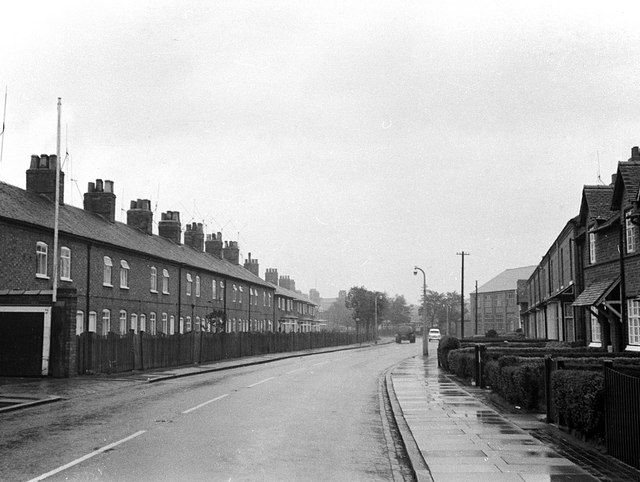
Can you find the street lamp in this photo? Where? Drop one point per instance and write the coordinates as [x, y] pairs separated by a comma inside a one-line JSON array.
[[425, 338]]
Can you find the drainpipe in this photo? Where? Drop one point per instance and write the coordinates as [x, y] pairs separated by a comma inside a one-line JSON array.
[[623, 295], [88, 294], [180, 326]]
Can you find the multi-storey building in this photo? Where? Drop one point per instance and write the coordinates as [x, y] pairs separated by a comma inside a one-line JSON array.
[[111, 276], [295, 312], [496, 304], [546, 307]]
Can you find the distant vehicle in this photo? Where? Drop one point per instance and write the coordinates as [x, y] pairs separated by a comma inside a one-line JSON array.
[[434, 334], [406, 332]]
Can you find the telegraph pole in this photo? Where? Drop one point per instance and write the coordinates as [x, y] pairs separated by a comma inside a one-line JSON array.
[[463, 254], [476, 315]]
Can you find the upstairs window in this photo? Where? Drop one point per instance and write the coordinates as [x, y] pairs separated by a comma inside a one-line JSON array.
[[234, 294], [164, 327], [214, 290], [197, 286], [124, 274], [153, 287], [106, 274], [189, 283], [241, 289], [630, 230], [221, 291], [41, 260], [65, 264], [165, 281], [143, 322], [592, 248]]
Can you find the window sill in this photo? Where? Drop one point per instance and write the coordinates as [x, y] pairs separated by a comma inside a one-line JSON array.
[[595, 344], [165, 293], [124, 287], [155, 292], [107, 285], [42, 276], [632, 348], [68, 280]]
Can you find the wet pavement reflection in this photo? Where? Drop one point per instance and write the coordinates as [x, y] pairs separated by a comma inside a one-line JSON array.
[[461, 438]]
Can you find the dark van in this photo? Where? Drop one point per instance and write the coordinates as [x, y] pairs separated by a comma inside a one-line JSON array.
[[406, 332]]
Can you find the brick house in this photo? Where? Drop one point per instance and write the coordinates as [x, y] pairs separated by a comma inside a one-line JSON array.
[[112, 276], [497, 302], [294, 311], [546, 307], [611, 259], [625, 201]]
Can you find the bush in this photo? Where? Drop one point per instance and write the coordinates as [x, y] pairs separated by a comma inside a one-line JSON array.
[[446, 344], [522, 384], [461, 362], [491, 334], [579, 400]]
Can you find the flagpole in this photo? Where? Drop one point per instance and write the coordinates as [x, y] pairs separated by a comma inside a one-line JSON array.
[[56, 210], [4, 116]]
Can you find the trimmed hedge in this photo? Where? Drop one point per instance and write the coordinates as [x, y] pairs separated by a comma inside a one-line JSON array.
[[462, 362], [578, 396], [445, 345]]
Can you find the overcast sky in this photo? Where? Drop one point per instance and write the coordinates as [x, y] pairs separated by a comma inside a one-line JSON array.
[[340, 142]]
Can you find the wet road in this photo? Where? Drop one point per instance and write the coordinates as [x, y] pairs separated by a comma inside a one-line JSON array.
[[307, 418]]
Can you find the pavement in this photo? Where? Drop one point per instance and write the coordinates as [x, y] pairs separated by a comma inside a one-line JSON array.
[[456, 433], [451, 432]]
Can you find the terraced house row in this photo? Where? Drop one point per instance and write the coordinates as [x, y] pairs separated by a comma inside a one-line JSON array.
[[120, 278], [587, 286]]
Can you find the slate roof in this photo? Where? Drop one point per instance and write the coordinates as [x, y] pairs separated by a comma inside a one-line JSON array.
[[31, 208], [507, 280], [628, 177], [280, 291], [596, 291], [596, 201]]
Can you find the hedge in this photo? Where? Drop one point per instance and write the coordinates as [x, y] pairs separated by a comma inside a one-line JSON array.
[[446, 344], [578, 396]]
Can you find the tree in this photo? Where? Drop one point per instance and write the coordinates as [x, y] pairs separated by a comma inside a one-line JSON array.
[[399, 313], [339, 315], [440, 308], [362, 303]]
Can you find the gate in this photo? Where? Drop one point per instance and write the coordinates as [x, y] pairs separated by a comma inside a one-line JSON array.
[[622, 417]]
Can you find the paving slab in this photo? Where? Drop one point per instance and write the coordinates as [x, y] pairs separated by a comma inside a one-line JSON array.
[[460, 438]]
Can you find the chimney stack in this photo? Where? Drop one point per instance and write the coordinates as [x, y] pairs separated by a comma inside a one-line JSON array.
[[140, 216], [635, 154], [169, 226], [252, 266], [194, 236], [285, 282], [271, 276], [41, 177], [101, 200], [213, 245], [231, 252]]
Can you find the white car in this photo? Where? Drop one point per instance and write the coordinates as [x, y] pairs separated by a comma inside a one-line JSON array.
[[434, 334]]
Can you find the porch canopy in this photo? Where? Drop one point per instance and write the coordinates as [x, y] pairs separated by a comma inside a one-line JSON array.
[[596, 292]]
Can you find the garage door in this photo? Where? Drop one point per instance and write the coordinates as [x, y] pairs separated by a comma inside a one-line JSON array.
[[21, 343]]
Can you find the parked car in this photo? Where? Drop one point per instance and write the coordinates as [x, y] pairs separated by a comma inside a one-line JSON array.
[[434, 334], [406, 332]]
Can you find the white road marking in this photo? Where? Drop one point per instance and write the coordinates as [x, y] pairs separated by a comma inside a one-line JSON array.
[[296, 370], [319, 364], [206, 403], [88, 456], [261, 381]]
